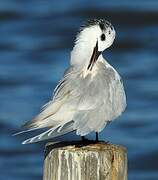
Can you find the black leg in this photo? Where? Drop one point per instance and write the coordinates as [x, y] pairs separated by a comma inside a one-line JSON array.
[[97, 137], [83, 138]]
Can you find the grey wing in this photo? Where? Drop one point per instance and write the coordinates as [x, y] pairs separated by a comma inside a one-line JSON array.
[[52, 113], [57, 114]]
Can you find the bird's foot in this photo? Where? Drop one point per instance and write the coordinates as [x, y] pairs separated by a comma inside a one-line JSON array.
[[97, 137], [98, 141], [84, 139]]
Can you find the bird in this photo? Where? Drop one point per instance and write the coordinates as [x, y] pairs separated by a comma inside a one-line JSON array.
[[90, 93]]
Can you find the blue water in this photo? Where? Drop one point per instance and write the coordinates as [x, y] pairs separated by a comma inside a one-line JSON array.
[[36, 38]]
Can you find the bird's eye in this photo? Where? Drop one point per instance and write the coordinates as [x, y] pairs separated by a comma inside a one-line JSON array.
[[109, 32], [103, 37]]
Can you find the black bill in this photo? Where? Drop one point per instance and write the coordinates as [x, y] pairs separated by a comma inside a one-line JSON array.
[[94, 57]]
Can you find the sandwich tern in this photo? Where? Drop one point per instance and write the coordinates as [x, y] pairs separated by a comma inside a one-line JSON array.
[[90, 93]]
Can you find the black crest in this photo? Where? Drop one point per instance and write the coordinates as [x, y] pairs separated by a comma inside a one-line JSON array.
[[103, 24]]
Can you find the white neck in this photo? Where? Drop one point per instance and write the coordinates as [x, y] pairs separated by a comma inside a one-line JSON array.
[[83, 49], [80, 55]]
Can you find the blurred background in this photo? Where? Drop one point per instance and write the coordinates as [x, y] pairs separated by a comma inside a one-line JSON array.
[[36, 38]]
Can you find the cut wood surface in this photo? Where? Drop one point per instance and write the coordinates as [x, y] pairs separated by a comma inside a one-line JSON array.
[[90, 161]]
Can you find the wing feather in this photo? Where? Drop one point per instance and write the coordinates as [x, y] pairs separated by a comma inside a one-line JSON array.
[[51, 133]]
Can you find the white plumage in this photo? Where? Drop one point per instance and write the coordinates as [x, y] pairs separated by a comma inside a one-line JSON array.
[[91, 92]]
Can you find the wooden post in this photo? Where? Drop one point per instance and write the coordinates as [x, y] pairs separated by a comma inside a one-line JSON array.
[[92, 161]]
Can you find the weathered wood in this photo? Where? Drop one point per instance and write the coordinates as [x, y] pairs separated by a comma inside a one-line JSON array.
[[94, 161]]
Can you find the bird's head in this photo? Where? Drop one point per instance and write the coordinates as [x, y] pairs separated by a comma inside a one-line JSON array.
[[93, 38], [97, 31]]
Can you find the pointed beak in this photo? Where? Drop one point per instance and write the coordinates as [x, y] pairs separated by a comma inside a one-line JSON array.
[[94, 57]]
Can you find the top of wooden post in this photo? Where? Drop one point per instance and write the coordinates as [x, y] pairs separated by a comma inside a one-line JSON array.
[[80, 146], [85, 161]]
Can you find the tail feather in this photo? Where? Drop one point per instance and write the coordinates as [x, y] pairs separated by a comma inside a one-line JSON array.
[[24, 131], [51, 133]]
